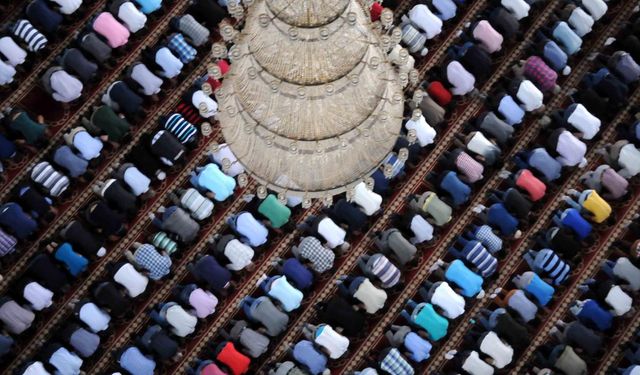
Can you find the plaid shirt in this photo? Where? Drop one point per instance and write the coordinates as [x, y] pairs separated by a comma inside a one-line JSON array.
[[321, 258], [490, 240], [151, 260], [540, 73], [7, 243], [180, 47], [469, 167], [394, 363]]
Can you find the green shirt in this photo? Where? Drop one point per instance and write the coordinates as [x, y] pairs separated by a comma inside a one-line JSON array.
[[277, 213], [105, 119], [30, 130]]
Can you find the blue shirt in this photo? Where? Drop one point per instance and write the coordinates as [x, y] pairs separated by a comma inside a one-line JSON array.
[[74, 262], [149, 6], [297, 273], [136, 363], [542, 291], [572, 219], [592, 312], [306, 354], [499, 216], [469, 281], [545, 164], [419, 347], [13, 217], [212, 179], [459, 191], [554, 56], [567, 37], [7, 148]]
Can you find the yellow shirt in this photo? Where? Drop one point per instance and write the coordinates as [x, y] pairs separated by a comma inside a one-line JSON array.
[[597, 206]]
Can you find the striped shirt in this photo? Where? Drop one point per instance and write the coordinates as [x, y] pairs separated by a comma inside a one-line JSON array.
[[51, 180], [163, 242], [384, 270], [548, 262], [7, 243], [199, 206], [24, 30], [482, 259], [183, 130]]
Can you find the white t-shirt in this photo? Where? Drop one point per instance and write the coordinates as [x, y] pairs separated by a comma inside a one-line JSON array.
[[182, 323], [519, 8], [462, 81], [131, 279], [68, 6], [581, 22], [481, 145], [38, 296], [14, 54], [66, 88], [495, 348], [625, 270], [584, 121], [239, 254], [36, 368], [421, 16], [200, 97], [65, 361], [335, 343], [530, 96], [149, 82], [451, 302], [331, 232], [571, 150], [424, 132], [137, 181], [422, 230], [7, 72], [596, 8], [620, 301], [369, 201], [224, 152], [476, 366], [94, 317], [629, 160], [133, 18]]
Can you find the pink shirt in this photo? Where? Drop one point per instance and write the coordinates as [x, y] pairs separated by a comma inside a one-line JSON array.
[[204, 302], [116, 34], [489, 38], [212, 369]]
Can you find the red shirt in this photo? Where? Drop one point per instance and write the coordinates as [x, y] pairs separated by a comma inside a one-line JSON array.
[[439, 93], [237, 362], [376, 11], [224, 68], [540, 73], [527, 181]]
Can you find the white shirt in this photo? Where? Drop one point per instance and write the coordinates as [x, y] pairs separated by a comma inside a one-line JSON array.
[[68, 6], [182, 323], [476, 366], [519, 8], [462, 81], [200, 97], [530, 96], [369, 201], [422, 230], [449, 301], [66, 88], [36, 368], [619, 300], [251, 229], [424, 132], [65, 362], [481, 145], [629, 160], [7, 72], [38, 296], [495, 348], [335, 343], [149, 82], [170, 64], [510, 110], [239, 254], [571, 150], [331, 232], [14, 54], [581, 22], [131, 279], [224, 152], [421, 16], [94, 317], [133, 18], [584, 121], [137, 181], [596, 8]]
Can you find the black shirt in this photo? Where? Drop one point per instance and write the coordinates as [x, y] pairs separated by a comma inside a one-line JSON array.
[[43, 269], [101, 216], [107, 294], [120, 198], [346, 213], [82, 240], [504, 22], [144, 160], [128, 101], [514, 333], [31, 200], [516, 203], [208, 12], [157, 341], [74, 61], [339, 313], [478, 62]]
